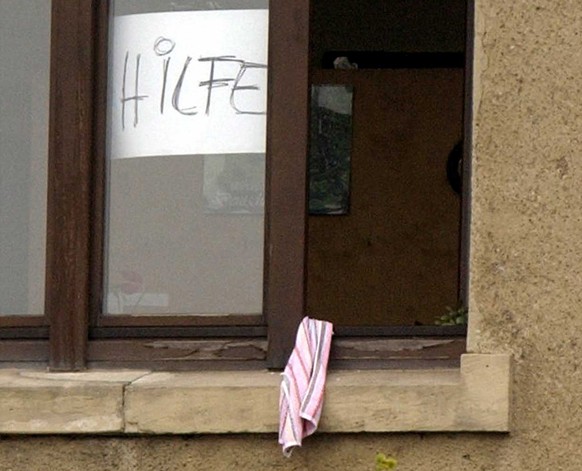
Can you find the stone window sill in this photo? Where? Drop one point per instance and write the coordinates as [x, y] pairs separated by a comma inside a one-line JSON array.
[[472, 398]]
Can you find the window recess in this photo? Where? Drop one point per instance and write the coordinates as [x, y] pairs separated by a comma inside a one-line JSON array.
[[102, 306], [391, 269]]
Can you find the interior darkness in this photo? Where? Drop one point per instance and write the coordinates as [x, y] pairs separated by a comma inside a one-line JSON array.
[[394, 258]]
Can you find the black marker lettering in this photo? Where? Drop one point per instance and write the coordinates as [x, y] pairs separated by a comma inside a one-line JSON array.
[[136, 98], [178, 90], [164, 82], [237, 87], [216, 82], [163, 47]]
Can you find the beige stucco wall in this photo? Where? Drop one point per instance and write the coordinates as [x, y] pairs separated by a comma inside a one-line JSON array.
[[526, 281]]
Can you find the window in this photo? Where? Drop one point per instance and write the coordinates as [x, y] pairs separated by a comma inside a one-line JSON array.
[[107, 300], [23, 134], [391, 265]]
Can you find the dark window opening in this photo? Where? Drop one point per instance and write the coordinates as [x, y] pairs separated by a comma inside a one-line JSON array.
[[393, 263]]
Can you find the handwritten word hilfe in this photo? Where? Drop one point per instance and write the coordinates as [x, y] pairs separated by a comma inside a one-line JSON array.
[[190, 82], [235, 83]]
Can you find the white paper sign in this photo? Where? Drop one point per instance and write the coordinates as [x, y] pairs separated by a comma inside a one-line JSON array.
[[191, 82]]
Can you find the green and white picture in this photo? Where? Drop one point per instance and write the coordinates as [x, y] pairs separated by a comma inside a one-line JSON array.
[[330, 147]]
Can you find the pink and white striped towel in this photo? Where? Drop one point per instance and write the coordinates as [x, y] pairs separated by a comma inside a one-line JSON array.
[[303, 384]]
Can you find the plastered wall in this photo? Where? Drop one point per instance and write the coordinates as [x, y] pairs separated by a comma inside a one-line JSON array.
[[526, 280]]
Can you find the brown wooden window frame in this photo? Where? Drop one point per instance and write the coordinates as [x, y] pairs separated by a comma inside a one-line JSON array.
[[73, 335]]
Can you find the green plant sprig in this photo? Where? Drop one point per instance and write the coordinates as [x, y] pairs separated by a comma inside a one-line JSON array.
[[457, 316], [384, 463]]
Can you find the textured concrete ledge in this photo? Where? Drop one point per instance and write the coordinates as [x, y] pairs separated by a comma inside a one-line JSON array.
[[36, 402], [474, 398], [202, 402]]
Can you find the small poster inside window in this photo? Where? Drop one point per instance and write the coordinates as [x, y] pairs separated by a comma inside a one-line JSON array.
[[330, 147], [234, 184]]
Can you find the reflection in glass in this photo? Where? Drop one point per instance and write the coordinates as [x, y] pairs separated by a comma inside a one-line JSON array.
[[186, 157], [24, 116]]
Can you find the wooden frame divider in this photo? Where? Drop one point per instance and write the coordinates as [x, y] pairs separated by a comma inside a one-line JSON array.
[[69, 195]]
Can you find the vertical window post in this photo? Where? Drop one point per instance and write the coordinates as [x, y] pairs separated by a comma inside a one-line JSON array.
[[69, 194], [287, 174]]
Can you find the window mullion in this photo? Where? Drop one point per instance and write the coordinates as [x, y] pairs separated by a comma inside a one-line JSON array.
[[69, 193], [286, 175]]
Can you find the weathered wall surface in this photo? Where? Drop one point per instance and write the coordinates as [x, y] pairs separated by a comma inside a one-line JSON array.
[[324, 452], [526, 281], [527, 214]]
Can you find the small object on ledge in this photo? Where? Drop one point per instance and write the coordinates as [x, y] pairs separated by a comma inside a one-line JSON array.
[[394, 60], [342, 62]]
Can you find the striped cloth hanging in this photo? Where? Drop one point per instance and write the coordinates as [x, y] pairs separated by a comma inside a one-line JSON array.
[[303, 383]]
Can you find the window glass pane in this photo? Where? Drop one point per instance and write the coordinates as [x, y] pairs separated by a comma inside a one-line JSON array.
[[24, 115], [186, 157]]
